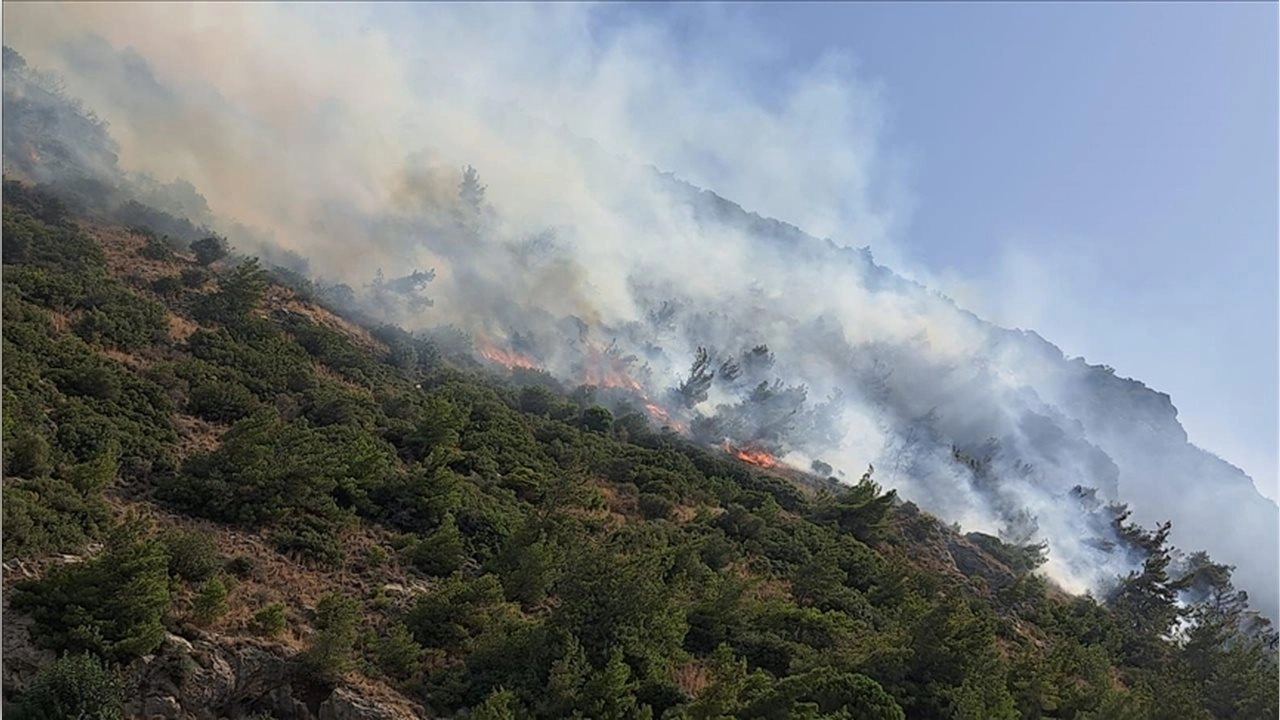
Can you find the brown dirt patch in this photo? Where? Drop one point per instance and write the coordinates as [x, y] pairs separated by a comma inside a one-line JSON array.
[[180, 328], [196, 435]]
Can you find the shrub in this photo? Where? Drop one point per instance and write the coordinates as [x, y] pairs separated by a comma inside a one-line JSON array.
[[441, 552], [168, 285], [209, 250], [311, 537], [332, 647], [124, 319], [497, 706], [597, 419], [193, 557], [376, 557], [270, 620], [157, 249], [242, 566], [397, 653], [47, 514], [75, 686], [27, 455], [194, 277], [655, 507], [221, 401], [112, 605], [210, 603]]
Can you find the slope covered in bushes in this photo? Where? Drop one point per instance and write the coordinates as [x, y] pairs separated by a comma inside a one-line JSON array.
[[504, 544]]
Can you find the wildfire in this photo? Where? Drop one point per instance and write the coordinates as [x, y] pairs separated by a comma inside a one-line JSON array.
[[752, 455], [664, 417], [611, 378], [506, 358], [656, 412], [603, 368]]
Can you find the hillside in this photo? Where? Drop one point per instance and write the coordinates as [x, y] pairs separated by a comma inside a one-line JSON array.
[[239, 503], [728, 326]]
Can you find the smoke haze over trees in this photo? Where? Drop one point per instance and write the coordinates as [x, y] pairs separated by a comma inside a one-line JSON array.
[[549, 252], [651, 334]]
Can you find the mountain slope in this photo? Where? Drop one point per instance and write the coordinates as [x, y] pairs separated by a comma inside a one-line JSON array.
[[364, 513], [607, 285], [431, 532], [1141, 453]]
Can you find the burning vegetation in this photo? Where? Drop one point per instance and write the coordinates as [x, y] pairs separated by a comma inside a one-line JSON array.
[[506, 358], [752, 455], [606, 368], [753, 421]]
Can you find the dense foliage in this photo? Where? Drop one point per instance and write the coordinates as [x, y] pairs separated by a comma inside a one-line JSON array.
[[75, 686], [576, 561]]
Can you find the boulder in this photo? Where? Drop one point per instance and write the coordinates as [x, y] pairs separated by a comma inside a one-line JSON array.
[[207, 679], [347, 704]]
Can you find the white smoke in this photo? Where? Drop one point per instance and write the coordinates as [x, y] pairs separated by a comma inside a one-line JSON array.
[[338, 131]]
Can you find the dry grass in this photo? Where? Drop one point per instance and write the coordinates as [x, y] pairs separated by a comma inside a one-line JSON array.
[[61, 321], [129, 360], [180, 328], [281, 299], [692, 678], [121, 247], [196, 435]]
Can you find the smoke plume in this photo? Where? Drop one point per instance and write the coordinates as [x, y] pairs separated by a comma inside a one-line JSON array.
[[333, 140]]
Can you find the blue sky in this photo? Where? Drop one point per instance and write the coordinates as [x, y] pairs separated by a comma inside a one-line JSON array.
[[1103, 173]]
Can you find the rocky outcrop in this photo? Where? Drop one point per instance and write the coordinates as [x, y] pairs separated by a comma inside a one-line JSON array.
[[347, 704], [22, 659], [213, 677], [205, 679]]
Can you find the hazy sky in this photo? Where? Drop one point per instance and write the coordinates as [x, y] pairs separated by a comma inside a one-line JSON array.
[[1103, 173]]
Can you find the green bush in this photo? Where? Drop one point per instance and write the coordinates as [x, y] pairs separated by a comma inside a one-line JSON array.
[[396, 653], [242, 566], [193, 556], [313, 538], [210, 603], [270, 620], [221, 401], [376, 557], [194, 277], [157, 248], [49, 515], [499, 705], [124, 319], [267, 471], [441, 552], [332, 649], [27, 456], [655, 507], [75, 686], [112, 605], [209, 250]]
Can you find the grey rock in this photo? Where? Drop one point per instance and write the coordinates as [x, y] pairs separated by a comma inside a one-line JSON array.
[[346, 704]]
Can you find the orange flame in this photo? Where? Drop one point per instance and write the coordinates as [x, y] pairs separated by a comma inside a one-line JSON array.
[[607, 370], [506, 358], [664, 417], [656, 412], [611, 378], [602, 369], [752, 455]]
